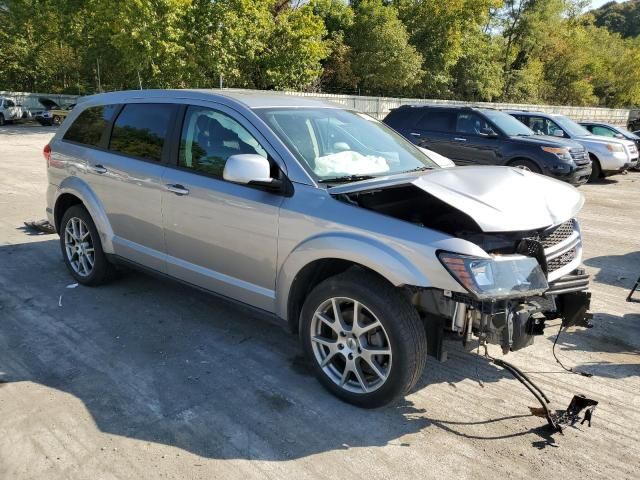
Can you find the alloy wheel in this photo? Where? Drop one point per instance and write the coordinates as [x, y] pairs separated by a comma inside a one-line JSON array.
[[79, 247], [351, 345]]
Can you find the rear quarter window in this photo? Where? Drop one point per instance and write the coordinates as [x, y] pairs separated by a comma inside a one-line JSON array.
[[88, 127]]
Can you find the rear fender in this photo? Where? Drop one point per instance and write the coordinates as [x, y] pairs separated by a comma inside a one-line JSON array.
[[79, 188]]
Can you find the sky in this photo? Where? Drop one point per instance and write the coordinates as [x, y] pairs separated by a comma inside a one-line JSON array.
[[598, 3]]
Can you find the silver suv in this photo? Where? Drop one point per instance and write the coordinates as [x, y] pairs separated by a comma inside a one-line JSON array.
[[322, 217]]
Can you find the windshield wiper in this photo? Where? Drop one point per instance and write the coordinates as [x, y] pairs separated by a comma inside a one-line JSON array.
[[418, 169], [346, 179]]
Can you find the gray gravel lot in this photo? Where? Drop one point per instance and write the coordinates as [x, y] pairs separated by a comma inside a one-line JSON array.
[[146, 378]]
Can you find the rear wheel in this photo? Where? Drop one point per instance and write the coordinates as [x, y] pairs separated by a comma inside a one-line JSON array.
[[1, 119], [57, 120], [596, 170], [526, 165], [364, 340], [82, 249]]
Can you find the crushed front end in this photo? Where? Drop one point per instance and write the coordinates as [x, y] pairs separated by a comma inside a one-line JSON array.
[[530, 278]]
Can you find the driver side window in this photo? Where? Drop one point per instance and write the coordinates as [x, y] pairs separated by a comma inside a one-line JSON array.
[[210, 137]]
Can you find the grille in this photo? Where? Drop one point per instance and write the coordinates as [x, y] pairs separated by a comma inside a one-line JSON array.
[[557, 234], [561, 260], [580, 157]]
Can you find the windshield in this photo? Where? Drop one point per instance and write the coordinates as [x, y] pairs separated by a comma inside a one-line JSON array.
[[509, 125], [571, 127], [342, 145]]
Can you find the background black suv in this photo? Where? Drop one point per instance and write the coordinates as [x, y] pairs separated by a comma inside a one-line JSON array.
[[484, 136]]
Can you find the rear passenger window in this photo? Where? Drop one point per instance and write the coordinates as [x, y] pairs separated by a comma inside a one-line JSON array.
[[141, 129], [87, 129], [436, 121]]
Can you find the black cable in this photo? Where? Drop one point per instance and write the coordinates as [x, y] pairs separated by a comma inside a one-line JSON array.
[[568, 369]]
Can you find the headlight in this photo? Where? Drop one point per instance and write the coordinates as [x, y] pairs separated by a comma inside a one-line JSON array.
[[500, 276], [615, 147], [560, 152]]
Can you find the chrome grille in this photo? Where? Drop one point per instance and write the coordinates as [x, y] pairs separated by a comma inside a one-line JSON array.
[[555, 235], [580, 157]]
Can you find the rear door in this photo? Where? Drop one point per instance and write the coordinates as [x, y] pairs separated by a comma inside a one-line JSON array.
[[125, 171], [434, 129]]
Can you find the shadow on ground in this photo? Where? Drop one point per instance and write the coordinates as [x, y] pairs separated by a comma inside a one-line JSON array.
[[157, 361], [28, 128], [616, 270]]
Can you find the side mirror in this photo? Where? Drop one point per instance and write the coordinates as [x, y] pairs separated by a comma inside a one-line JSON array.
[[489, 133], [249, 168], [558, 132], [618, 135]]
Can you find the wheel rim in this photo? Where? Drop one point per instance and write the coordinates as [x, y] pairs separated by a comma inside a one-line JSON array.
[[56, 120], [351, 345], [79, 248], [523, 167]]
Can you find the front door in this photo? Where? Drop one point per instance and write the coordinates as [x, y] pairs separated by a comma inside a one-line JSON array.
[[219, 235], [475, 140]]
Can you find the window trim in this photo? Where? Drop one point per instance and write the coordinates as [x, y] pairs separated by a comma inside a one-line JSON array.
[[165, 154]]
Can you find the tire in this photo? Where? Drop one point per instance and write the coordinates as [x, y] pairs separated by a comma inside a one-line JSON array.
[[1, 120], [525, 165], [398, 330], [596, 170], [56, 120], [78, 220]]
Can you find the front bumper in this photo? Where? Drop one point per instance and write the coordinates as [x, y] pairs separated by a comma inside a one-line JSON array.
[[573, 174]]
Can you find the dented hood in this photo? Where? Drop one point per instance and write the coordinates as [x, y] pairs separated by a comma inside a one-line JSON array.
[[498, 199]]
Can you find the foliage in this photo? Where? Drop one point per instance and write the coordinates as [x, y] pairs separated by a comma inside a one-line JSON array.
[[550, 51]]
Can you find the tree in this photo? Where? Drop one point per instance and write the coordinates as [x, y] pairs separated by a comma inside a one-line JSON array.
[[381, 57]]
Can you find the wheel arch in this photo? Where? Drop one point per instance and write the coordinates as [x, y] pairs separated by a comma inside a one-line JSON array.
[[318, 259], [74, 191], [511, 161]]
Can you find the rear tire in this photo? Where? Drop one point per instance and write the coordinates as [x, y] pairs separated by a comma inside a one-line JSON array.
[[596, 170], [56, 120], [525, 165], [341, 354], [82, 249], [1, 120]]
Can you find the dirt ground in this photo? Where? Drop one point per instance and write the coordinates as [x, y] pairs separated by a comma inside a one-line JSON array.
[[146, 378]]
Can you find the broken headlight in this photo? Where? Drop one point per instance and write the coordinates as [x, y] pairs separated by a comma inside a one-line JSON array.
[[499, 276]]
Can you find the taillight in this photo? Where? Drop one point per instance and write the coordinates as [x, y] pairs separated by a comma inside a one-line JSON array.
[[46, 152]]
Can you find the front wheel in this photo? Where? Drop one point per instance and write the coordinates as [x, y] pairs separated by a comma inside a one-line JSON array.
[[526, 165], [596, 170], [2, 121], [364, 340], [57, 120]]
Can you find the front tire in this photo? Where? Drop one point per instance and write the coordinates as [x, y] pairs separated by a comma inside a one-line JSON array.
[[364, 340], [2, 121], [526, 165], [56, 120], [82, 249], [596, 170]]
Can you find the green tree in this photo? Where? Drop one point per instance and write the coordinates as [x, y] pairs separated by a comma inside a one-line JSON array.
[[382, 59]]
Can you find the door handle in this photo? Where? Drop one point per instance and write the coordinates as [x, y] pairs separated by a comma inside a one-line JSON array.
[[414, 134], [98, 169], [177, 189], [460, 139]]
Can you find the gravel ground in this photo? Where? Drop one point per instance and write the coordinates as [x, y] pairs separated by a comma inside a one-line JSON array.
[[149, 379]]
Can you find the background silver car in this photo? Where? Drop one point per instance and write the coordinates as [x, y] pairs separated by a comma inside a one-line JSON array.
[[322, 217]]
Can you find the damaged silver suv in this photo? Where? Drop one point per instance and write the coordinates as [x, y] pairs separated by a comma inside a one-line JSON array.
[[322, 217]]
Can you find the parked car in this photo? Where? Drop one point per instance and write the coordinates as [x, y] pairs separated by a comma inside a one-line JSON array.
[[485, 136], [321, 217], [59, 114], [610, 130], [10, 110], [608, 155], [634, 120], [43, 115]]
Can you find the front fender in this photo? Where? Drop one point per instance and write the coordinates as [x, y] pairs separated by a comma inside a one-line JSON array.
[[79, 188], [365, 251]]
